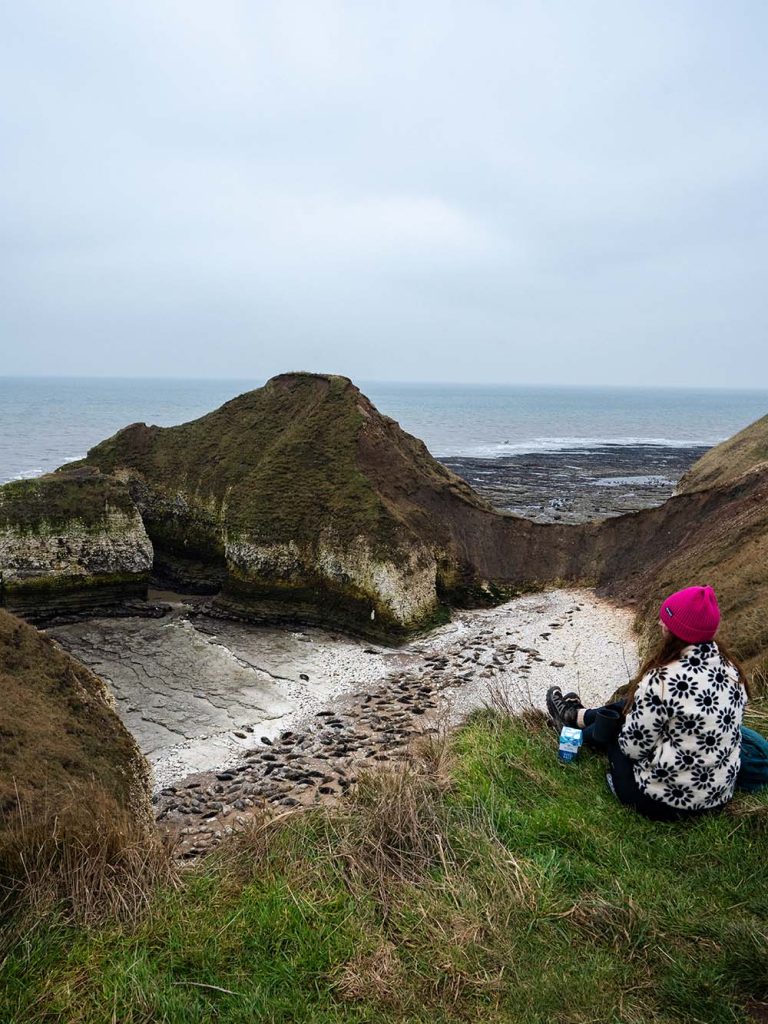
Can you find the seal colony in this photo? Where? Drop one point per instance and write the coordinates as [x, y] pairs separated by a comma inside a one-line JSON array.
[[334, 705]]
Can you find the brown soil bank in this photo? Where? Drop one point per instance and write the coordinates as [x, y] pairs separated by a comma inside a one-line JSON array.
[[301, 501], [76, 822], [717, 536], [75, 814], [59, 729]]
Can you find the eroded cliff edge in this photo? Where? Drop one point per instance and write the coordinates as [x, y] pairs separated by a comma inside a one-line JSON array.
[[62, 738], [300, 500]]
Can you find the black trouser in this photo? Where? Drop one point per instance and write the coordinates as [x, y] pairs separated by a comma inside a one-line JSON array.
[[601, 729]]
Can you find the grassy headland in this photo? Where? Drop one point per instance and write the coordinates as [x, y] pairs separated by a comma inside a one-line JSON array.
[[484, 882], [730, 459]]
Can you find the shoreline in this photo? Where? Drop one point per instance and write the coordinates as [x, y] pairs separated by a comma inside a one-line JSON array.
[[576, 485], [359, 704]]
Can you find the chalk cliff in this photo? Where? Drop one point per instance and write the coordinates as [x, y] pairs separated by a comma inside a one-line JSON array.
[[70, 540], [301, 500]]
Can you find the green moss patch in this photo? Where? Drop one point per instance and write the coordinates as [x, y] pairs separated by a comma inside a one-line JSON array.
[[77, 592], [49, 503], [275, 463]]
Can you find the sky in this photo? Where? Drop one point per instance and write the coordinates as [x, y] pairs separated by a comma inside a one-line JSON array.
[[551, 192]]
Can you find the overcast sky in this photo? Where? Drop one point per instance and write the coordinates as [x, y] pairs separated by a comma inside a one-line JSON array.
[[562, 191]]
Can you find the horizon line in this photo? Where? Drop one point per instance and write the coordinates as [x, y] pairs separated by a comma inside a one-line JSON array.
[[402, 382]]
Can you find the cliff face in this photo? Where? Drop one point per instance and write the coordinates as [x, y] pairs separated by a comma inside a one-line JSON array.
[[70, 540], [301, 500], [60, 730], [717, 536]]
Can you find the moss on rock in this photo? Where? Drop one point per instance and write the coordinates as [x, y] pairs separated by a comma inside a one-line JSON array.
[[302, 500], [70, 540]]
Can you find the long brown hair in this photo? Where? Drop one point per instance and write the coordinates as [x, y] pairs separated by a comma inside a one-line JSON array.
[[668, 649]]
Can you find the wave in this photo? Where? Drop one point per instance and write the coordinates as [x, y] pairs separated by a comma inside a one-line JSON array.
[[531, 446], [35, 471]]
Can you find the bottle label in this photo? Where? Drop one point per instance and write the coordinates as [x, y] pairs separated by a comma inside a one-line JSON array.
[[570, 741]]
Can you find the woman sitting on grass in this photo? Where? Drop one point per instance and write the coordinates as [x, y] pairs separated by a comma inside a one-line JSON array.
[[674, 742]]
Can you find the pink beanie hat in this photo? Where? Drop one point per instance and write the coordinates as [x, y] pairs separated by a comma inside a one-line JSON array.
[[691, 614]]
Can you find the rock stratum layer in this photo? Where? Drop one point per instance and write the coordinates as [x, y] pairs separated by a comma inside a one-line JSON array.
[[70, 540], [300, 502]]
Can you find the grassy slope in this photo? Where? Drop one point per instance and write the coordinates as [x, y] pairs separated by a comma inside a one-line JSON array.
[[729, 460], [718, 536], [497, 886], [273, 462], [56, 730]]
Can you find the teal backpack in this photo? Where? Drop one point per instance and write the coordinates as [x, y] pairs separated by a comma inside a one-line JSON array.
[[753, 774]]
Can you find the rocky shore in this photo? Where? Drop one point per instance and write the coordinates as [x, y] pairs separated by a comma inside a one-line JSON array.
[[291, 719], [579, 485]]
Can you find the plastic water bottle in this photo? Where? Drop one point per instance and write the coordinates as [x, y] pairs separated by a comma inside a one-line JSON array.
[[570, 741]]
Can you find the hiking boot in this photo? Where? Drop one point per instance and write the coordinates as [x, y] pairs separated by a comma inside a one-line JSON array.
[[562, 707]]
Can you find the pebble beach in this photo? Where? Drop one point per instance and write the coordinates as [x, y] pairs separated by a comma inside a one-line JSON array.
[[235, 717]]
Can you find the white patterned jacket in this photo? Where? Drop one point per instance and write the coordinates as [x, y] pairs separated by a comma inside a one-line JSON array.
[[684, 730]]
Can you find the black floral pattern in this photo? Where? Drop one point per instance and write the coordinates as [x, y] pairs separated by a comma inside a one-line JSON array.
[[726, 717], [656, 704], [688, 759], [706, 701], [683, 731], [703, 775], [690, 725], [695, 657], [718, 677], [681, 684]]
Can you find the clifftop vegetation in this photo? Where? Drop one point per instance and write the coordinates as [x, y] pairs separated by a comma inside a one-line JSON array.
[[485, 882], [56, 500], [727, 461]]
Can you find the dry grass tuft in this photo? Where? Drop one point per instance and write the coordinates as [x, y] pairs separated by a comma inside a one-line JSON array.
[[432, 753], [535, 720], [603, 921], [374, 975], [749, 809], [83, 856], [263, 838], [393, 827], [513, 699]]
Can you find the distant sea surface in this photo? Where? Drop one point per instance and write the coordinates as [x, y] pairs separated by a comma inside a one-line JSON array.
[[47, 421]]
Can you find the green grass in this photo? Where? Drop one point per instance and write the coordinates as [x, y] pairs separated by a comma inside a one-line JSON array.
[[490, 884]]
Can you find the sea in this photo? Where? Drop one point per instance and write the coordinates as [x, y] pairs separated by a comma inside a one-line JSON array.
[[48, 421]]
